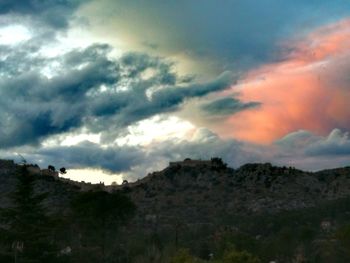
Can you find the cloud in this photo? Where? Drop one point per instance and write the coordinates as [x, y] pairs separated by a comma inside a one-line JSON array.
[[42, 96], [136, 161], [301, 149], [306, 144], [296, 141], [308, 90], [337, 143], [308, 151], [227, 106], [232, 35], [55, 14], [204, 144], [87, 89], [34, 106], [113, 159]]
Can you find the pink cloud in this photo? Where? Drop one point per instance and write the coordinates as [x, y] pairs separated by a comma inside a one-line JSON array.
[[309, 89]]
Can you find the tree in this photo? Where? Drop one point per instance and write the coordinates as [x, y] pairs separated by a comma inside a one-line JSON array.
[[27, 230], [63, 170], [99, 215], [218, 163]]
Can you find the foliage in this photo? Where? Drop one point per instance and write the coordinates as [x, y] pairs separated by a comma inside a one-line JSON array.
[[63, 170], [100, 207], [184, 256], [235, 256], [98, 215], [27, 230]]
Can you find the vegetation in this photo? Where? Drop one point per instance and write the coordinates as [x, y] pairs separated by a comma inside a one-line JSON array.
[[83, 233], [26, 229], [97, 226], [97, 215]]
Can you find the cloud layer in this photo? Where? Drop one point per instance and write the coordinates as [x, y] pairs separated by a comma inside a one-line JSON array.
[[54, 14], [227, 106], [276, 85], [230, 35], [301, 149], [86, 88]]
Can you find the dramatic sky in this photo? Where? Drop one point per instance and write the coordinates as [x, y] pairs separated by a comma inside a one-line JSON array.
[[115, 89]]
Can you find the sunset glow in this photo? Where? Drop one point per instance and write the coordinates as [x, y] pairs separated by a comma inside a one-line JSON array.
[[122, 88], [308, 90]]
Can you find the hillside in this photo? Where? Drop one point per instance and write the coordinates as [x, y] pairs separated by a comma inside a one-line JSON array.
[[204, 191], [276, 213], [201, 191]]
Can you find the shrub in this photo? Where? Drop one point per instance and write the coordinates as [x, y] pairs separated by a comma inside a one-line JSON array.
[[235, 256], [184, 256]]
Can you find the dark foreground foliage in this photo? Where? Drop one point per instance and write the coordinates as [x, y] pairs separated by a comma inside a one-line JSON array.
[[97, 226], [82, 232]]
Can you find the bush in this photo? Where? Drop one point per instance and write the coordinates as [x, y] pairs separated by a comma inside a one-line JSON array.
[[184, 256], [235, 256]]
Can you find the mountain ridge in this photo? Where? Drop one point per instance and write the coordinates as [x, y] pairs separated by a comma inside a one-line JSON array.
[[197, 204], [209, 185]]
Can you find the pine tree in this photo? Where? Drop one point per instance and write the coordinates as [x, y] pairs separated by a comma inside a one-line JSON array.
[[99, 214], [26, 229]]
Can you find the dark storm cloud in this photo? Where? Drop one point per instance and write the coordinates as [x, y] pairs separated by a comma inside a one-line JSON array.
[[137, 161], [227, 106], [301, 149], [87, 89], [55, 14], [86, 154], [135, 64], [33, 106]]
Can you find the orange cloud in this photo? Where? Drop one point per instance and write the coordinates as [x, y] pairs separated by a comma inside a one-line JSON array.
[[309, 90]]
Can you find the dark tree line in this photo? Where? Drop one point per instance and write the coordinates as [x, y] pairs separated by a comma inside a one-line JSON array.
[[29, 233]]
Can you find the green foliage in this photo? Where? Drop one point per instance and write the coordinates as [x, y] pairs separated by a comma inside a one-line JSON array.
[[184, 256], [235, 256], [343, 234], [230, 256]]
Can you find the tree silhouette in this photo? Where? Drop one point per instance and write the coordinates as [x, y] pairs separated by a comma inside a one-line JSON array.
[[99, 215], [26, 228], [63, 170]]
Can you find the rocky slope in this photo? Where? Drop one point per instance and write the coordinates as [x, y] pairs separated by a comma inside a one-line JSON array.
[[279, 214], [203, 191], [206, 192]]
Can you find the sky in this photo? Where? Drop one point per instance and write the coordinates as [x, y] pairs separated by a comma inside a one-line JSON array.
[[116, 89]]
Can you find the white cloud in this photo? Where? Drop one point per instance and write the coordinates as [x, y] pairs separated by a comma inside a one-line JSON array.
[[14, 34], [93, 176], [156, 129]]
